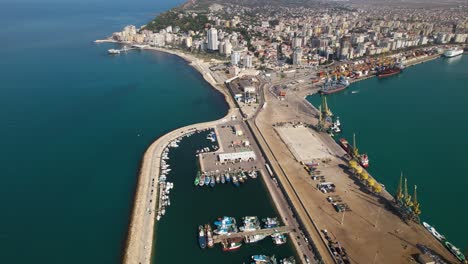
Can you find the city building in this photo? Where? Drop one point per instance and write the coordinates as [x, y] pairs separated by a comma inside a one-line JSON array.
[[212, 37]]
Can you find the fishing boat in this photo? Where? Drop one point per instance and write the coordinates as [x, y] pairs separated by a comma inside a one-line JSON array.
[[259, 258], [201, 237], [232, 244], [218, 179], [235, 181], [455, 251], [209, 235], [213, 182], [223, 179], [207, 180], [228, 177], [197, 179], [240, 178], [434, 232], [270, 222], [253, 238], [202, 179], [289, 260], [279, 239]]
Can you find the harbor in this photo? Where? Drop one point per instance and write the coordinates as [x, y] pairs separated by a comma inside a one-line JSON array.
[[206, 205]]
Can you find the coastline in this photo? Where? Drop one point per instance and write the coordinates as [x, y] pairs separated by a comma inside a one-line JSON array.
[[138, 247]]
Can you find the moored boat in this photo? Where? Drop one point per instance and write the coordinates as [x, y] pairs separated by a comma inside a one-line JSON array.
[[223, 179], [202, 179], [207, 180], [232, 244], [209, 236], [197, 179], [453, 52], [455, 251], [434, 232], [201, 237]]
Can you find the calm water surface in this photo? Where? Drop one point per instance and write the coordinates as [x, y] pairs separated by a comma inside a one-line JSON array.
[[75, 123]]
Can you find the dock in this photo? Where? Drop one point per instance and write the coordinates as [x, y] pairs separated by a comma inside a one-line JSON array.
[[265, 232]]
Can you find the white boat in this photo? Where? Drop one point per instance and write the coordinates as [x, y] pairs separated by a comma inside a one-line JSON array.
[[113, 51], [453, 52], [434, 232]]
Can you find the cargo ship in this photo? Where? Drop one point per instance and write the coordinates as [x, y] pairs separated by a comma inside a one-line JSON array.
[[363, 159], [333, 86], [390, 71], [201, 237], [453, 52]]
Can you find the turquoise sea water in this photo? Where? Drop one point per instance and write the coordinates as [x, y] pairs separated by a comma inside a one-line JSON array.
[[416, 122], [75, 123]]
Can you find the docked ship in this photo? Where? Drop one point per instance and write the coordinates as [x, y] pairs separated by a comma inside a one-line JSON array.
[[254, 238], [363, 159], [453, 52], [455, 251], [271, 222], [251, 223], [263, 259], [201, 237], [434, 232], [232, 244], [332, 85], [289, 260], [279, 239], [225, 225], [209, 235], [389, 71]]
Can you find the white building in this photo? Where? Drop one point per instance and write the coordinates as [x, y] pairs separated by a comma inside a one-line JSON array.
[[235, 58], [228, 47], [248, 61], [188, 42], [212, 36], [297, 56], [237, 156]]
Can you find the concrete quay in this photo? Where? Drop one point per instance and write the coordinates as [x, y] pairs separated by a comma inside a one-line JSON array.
[[141, 231]]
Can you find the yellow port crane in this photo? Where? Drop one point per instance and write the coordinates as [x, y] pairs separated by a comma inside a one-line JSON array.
[[399, 192], [415, 207], [325, 109], [355, 149], [407, 197]]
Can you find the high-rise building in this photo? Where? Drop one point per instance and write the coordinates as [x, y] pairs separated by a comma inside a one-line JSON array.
[[297, 56], [235, 58], [228, 47], [248, 61], [212, 36], [188, 42]]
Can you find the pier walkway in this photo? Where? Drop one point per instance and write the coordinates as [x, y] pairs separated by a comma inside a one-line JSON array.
[[265, 232]]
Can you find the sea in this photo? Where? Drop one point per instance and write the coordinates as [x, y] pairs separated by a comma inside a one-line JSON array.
[[75, 123], [415, 123]]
